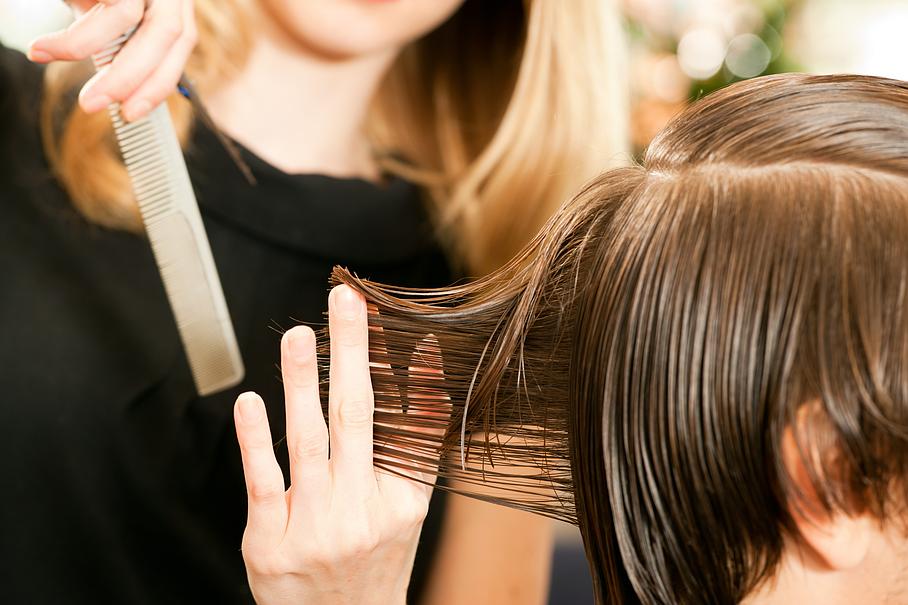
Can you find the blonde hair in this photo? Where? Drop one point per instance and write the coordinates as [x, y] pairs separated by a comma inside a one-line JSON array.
[[498, 114]]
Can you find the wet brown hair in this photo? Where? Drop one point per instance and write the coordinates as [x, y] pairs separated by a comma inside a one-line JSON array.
[[640, 361]]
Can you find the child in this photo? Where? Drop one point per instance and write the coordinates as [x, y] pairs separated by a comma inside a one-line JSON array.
[[702, 361]]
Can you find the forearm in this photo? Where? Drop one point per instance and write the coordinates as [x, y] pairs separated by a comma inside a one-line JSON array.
[[491, 555]]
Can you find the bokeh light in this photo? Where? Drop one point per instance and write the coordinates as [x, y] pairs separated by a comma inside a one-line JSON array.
[[871, 37], [701, 52], [747, 56], [23, 20]]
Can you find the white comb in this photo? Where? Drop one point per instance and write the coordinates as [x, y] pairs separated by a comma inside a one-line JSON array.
[[160, 181]]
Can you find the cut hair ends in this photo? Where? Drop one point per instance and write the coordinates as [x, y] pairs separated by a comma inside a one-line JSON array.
[[634, 370]]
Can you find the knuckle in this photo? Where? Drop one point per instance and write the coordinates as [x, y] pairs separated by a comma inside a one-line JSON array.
[[263, 566], [350, 335], [316, 556], [256, 441], [310, 446], [266, 492], [298, 374], [75, 48], [363, 541], [133, 11], [190, 27], [168, 26], [191, 34], [318, 551], [255, 557], [120, 85], [408, 516], [356, 412], [170, 29], [298, 379], [415, 514], [157, 95]]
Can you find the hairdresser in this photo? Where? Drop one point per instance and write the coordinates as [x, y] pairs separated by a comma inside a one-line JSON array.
[[414, 142]]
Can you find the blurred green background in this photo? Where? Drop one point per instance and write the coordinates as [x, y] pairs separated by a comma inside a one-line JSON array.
[[683, 49]]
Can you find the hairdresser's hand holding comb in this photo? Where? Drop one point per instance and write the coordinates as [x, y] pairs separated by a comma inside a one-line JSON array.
[[343, 533], [147, 69]]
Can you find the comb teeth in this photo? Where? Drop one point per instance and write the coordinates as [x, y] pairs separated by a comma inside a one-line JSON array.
[[170, 212]]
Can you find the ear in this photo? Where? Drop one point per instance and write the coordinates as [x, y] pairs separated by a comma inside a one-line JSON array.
[[837, 540]]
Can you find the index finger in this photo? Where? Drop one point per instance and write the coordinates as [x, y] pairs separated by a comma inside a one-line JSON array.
[[307, 435], [162, 29], [89, 33]]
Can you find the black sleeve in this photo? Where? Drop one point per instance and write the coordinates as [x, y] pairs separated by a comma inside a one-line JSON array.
[[21, 82]]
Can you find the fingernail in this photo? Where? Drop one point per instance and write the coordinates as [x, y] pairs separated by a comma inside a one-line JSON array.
[[348, 303], [250, 411], [300, 342], [39, 56], [137, 110], [93, 103]]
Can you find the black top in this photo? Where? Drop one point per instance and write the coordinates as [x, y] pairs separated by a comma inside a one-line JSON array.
[[119, 484]]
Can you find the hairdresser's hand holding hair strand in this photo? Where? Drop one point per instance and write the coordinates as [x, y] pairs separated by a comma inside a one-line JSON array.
[[343, 533]]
